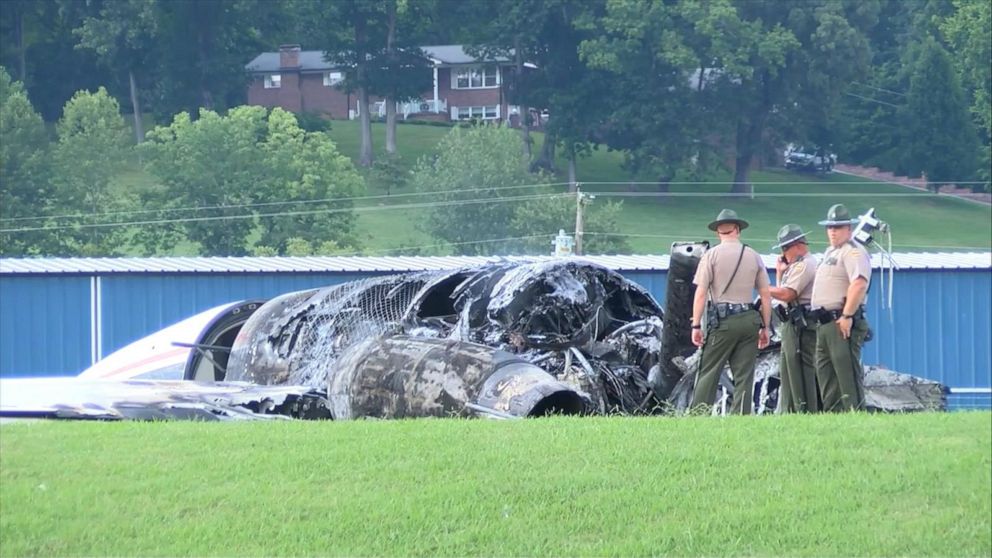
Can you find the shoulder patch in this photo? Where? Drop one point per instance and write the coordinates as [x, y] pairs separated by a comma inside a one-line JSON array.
[[799, 266], [854, 253]]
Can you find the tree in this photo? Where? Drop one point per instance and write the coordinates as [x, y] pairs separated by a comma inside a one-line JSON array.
[[252, 172], [301, 167], [471, 173], [870, 114], [781, 66], [510, 36], [202, 48], [576, 95], [657, 114], [36, 39], [402, 72], [479, 209], [968, 31], [544, 217], [940, 139], [375, 44], [24, 172], [92, 148], [347, 33], [123, 35]]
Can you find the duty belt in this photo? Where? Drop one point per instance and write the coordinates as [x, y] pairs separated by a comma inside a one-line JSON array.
[[826, 316], [731, 308]]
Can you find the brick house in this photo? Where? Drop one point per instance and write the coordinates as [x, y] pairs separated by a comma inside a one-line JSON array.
[[463, 87]]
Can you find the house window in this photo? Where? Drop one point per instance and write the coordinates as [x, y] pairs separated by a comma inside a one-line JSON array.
[[479, 113], [273, 81], [476, 78], [332, 78]]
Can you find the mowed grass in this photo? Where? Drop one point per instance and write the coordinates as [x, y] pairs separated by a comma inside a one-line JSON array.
[[650, 223], [828, 485]]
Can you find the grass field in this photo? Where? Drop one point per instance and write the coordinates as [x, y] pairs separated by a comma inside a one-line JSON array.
[[650, 223], [920, 221], [828, 485]]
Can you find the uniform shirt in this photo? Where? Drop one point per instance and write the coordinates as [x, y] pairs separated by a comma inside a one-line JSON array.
[[838, 268], [799, 277], [717, 266]]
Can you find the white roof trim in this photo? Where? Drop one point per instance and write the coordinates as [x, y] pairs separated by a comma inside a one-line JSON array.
[[397, 264]]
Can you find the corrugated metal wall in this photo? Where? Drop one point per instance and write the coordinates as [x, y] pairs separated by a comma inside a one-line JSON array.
[[44, 325], [940, 327]]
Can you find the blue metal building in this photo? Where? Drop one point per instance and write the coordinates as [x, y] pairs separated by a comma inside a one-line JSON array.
[[58, 316]]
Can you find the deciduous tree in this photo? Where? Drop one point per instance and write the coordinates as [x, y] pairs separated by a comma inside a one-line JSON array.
[[939, 138], [123, 34], [25, 190], [254, 173], [92, 149]]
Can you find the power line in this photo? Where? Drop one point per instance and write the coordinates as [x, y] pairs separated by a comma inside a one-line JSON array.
[[445, 244], [269, 204], [879, 89], [763, 194], [503, 188], [285, 213], [773, 183], [466, 190], [871, 100], [817, 242]]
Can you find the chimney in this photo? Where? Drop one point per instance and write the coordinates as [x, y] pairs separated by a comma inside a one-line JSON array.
[[289, 56]]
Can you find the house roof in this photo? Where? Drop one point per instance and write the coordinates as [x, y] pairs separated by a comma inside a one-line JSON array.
[[396, 264], [313, 60], [455, 54], [310, 61]]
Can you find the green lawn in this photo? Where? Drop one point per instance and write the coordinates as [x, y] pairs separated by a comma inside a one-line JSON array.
[[827, 485], [920, 221]]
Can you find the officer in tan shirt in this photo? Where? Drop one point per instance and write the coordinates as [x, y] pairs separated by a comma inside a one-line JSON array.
[[794, 273], [839, 290], [725, 282]]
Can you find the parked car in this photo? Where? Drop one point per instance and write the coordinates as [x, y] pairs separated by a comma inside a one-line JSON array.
[[807, 158]]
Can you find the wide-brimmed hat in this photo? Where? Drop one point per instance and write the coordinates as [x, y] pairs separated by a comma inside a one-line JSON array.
[[787, 235], [727, 216], [838, 215]]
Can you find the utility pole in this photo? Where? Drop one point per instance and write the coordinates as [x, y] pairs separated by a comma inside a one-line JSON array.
[[581, 200]]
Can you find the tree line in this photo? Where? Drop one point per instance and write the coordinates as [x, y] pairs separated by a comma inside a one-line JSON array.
[[680, 88]]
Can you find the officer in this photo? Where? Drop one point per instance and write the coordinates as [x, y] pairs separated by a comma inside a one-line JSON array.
[[839, 290], [794, 273], [725, 280]]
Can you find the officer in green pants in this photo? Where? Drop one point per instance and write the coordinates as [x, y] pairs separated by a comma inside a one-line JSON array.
[[839, 291], [725, 282], [794, 273]]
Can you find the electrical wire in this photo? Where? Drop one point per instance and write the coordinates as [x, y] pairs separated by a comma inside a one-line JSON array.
[[286, 213], [883, 90], [269, 204], [769, 183], [750, 239], [465, 190], [445, 244], [760, 194], [871, 100]]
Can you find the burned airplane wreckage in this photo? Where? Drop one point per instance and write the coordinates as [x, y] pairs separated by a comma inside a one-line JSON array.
[[502, 340], [562, 336]]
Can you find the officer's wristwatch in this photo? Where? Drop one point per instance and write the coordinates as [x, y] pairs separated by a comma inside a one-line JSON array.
[[847, 316]]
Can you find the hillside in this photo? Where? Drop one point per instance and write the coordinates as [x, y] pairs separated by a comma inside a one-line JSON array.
[[920, 221], [651, 222]]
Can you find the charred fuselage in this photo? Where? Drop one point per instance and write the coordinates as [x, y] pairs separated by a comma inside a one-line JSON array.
[[581, 337]]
